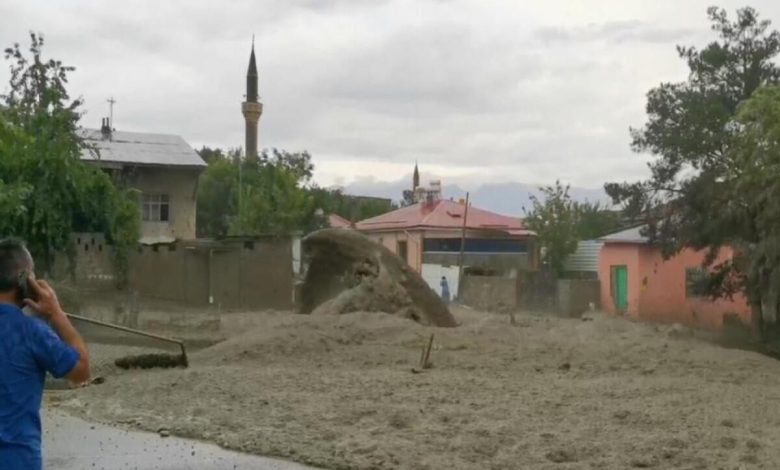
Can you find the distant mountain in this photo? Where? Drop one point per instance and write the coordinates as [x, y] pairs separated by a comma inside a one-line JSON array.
[[503, 198]]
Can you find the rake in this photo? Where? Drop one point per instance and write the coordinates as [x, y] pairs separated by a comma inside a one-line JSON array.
[[143, 361]]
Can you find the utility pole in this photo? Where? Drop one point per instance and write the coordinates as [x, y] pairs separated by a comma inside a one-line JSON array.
[[111, 102], [462, 248]]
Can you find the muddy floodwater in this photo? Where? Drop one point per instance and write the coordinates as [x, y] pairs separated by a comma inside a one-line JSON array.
[[73, 444]]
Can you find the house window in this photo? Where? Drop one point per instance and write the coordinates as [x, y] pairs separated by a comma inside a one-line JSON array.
[[695, 282], [156, 208]]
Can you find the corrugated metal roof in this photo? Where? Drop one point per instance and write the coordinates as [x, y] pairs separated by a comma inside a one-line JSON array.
[[586, 258], [632, 235], [139, 148]]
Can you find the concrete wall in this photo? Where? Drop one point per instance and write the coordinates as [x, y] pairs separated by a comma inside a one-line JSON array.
[[180, 185], [574, 296], [536, 291], [230, 275], [93, 266], [531, 291], [492, 293], [657, 287], [501, 262]]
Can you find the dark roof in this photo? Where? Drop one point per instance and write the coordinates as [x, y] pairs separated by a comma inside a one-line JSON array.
[[138, 148]]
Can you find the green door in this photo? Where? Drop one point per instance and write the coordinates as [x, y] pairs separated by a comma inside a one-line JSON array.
[[620, 287]]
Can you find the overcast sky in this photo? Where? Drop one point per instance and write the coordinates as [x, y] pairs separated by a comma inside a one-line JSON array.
[[476, 91]]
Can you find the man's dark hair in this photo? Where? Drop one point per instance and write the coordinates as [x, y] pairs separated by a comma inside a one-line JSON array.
[[13, 258]]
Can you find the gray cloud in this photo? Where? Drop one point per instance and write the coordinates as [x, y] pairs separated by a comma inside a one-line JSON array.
[[475, 90], [624, 31]]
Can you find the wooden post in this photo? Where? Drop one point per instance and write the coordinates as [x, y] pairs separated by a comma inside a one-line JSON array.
[[425, 356], [426, 361], [462, 249]]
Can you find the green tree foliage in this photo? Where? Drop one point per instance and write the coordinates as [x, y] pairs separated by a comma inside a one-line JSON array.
[[554, 219], [699, 145], [217, 192], [352, 208], [594, 220], [749, 211], [273, 199], [277, 196], [40, 166]]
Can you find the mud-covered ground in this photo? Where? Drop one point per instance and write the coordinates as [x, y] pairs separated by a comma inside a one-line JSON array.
[[547, 393]]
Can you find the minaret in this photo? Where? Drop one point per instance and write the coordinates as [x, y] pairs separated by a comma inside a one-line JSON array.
[[252, 108], [415, 178]]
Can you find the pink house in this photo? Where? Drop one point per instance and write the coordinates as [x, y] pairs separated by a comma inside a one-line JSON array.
[[637, 281]]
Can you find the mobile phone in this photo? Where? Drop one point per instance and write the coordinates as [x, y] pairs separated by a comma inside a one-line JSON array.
[[24, 285]]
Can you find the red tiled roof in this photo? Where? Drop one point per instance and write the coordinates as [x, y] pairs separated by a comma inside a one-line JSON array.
[[443, 214], [336, 221]]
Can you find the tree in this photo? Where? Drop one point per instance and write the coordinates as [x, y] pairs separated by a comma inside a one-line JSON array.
[[277, 195], [594, 220], [210, 155], [555, 222], [407, 198], [750, 209], [217, 203], [252, 196], [352, 208], [697, 141], [273, 200], [41, 167]]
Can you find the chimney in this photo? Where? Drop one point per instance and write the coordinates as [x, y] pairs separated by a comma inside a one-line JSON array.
[[105, 129]]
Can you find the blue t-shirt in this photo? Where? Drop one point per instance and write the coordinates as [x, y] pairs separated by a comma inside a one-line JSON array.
[[28, 349]]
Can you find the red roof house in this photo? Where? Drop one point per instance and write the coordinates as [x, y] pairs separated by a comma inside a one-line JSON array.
[[443, 215], [428, 236]]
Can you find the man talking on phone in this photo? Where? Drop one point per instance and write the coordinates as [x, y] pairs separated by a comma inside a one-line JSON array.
[[29, 347]]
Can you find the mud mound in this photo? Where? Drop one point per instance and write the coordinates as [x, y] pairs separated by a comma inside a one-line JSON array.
[[347, 272], [295, 336]]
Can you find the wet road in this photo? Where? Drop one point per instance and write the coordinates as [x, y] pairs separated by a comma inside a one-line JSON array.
[[73, 444]]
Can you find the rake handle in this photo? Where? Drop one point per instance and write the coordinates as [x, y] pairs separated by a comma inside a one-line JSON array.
[[126, 329]]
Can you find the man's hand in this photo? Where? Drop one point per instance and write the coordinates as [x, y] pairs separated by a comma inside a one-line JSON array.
[[44, 299], [45, 302]]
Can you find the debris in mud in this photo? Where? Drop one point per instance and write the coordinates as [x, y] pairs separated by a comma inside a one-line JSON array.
[[561, 456], [148, 361], [347, 272], [643, 462]]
